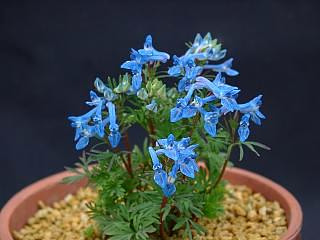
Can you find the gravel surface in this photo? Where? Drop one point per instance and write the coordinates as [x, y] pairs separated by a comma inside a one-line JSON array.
[[247, 216]]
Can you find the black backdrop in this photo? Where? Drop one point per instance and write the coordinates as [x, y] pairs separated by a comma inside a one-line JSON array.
[[51, 52]]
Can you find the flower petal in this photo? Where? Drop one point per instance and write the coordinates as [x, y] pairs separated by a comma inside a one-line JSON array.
[[82, 143], [176, 114], [160, 178], [210, 128], [169, 189], [155, 160], [114, 139], [187, 169], [136, 82], [243, 133]]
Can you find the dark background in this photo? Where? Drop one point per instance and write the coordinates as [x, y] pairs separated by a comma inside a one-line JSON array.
[[51, 52]]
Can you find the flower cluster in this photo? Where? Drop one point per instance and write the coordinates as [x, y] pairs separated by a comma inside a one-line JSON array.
[[92, 124], [199, 105], [196, 60], [198, 95], [183, 156], [138, 58], [221, 97]]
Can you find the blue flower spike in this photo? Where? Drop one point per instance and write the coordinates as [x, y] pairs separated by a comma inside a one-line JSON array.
[[93, 124], [197, 59], [183, 156]]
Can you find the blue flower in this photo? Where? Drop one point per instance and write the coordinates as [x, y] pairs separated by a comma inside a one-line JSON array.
[[175, 150], [98, 122], [211, 120], [150, 54], [191, 72], [220, 90], [114, 135], [83, 130], [182, 110], [252, 108], [138, 58], [183, 155], [85, 134], [101, 102], [136, 68], [169, 189], [177, 68], [160, 176], [95, 100], [79, 122], [92, 123], [243, 129], [187, 167], [185, 66], [223, 67]]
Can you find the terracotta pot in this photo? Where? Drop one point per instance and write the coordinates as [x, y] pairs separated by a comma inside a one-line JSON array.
[[24, 204]]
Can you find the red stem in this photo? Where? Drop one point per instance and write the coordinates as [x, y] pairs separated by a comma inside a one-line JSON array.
[[127, 145], [163, 204], [152, 132]]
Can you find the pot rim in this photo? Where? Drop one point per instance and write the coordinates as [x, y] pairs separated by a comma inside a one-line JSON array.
[[294, 210]]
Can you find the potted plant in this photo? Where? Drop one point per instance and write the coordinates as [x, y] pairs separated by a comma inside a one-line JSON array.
[[167, 186]]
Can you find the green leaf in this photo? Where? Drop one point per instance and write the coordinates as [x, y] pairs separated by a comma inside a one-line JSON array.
[[198, 227], [180, 223], [72, 179], [188, 230], [196, 211], [166, 212], [126, 236], [260, 145], [117, 228], [89, 232], [251, 148], [240, 152]]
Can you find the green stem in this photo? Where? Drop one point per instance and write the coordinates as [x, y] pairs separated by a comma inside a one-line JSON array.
[[225, 164]]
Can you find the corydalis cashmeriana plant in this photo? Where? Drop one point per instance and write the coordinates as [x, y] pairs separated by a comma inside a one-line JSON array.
[[175, 178]]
